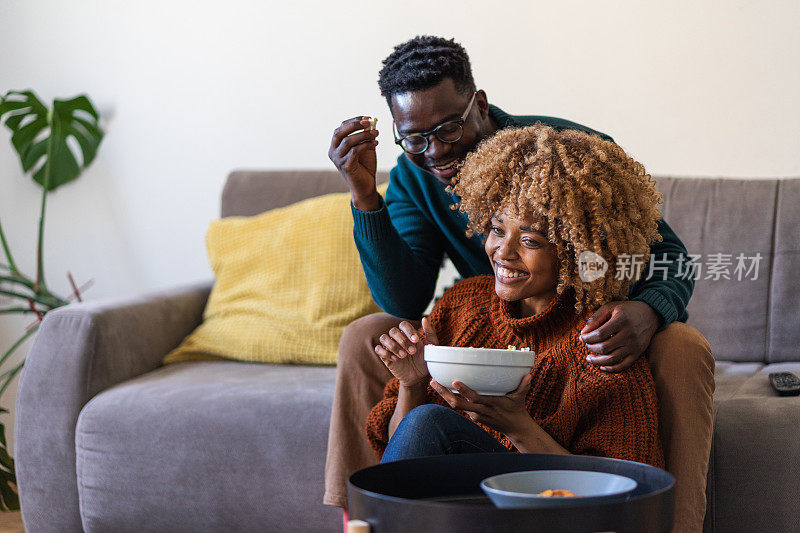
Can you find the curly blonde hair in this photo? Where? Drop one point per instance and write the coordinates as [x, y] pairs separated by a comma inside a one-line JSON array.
[[588, 194]]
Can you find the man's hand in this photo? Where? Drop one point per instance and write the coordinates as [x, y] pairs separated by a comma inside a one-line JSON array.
[[506, 414], [619, 332], [401, 350], [354, 155]]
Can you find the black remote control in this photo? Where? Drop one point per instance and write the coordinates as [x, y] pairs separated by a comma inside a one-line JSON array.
[[785, 383]]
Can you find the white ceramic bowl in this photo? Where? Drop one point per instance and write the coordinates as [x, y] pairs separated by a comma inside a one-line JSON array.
[[521, 489], [486, 371]]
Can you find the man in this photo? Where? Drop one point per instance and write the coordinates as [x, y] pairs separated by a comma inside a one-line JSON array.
[[439, 117]]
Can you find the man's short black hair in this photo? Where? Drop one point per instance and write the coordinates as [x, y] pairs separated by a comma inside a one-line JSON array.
[[423, 62]]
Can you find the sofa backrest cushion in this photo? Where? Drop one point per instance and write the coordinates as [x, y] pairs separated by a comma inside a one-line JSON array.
[[749, 316], [250, 192], [747, 320], [784, 294]]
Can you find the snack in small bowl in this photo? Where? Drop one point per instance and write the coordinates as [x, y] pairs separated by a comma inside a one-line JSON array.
[[487, 371], [555, 488], [557, 493]]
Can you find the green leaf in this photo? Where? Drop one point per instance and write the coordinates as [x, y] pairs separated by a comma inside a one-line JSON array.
[[9, 497], [5, 459], [14, 346], [19, 280], [45, 299], [15, 310], [40, 135], [9, 375]]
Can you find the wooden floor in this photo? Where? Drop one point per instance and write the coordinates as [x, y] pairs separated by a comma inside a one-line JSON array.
[[11, 522]]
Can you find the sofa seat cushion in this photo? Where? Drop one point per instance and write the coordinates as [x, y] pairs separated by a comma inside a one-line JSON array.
[[207, 446], [729, 376], [754, 478]]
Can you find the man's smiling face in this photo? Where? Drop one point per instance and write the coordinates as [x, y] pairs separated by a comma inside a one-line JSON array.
[[422, 111]]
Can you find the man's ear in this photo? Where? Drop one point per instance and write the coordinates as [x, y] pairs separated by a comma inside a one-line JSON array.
[[483, 103]]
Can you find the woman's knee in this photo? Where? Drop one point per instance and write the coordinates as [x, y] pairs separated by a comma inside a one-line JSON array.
[[428, 416], [419, 434]]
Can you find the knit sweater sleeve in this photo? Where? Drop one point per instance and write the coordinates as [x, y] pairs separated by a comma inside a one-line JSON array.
[[661, 285], [379, 416], [400, 248], [617, 413]]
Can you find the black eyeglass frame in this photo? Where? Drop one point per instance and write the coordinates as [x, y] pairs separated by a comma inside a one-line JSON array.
[[426, 135]]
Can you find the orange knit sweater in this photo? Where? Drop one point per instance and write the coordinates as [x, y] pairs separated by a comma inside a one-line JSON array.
[[587, 411]]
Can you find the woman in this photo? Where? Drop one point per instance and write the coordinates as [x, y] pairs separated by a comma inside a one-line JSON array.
[[545, 201]]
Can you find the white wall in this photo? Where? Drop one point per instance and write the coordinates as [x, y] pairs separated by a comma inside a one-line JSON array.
[[191, 90]]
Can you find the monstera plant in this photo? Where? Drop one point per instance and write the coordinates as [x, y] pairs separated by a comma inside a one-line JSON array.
[[54, 145]]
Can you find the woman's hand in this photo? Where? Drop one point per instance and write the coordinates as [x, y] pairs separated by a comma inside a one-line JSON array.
[[401, 350], [506, 414]]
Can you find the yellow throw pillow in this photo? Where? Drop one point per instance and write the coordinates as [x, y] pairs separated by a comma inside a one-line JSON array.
[[287, 283]]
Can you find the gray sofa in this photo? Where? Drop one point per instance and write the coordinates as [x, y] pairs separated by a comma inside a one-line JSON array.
[[108, 439]]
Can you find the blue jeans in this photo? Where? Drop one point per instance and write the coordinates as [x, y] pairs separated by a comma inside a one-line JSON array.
[[437, 430]]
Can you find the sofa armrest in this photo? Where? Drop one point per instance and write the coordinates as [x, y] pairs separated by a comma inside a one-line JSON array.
[[80, 350]]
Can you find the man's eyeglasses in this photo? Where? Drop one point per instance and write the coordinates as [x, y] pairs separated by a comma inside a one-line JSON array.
[[447, 132]]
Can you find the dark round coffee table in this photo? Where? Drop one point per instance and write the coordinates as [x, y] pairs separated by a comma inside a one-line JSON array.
[[443, 494]]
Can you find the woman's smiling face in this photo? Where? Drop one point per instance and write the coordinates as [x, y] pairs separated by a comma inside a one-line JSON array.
[[525, 263]]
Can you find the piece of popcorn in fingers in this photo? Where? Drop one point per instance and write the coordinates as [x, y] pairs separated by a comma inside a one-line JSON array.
[[373, 123]]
